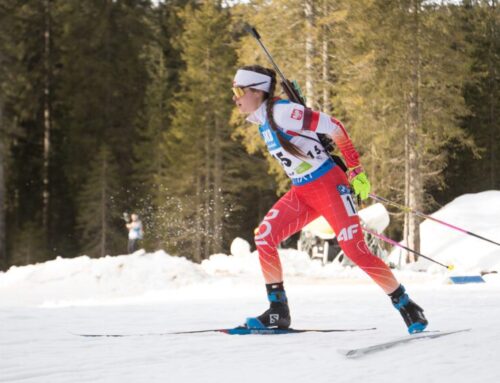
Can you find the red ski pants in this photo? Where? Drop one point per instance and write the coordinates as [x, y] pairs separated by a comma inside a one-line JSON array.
[[327, 196]]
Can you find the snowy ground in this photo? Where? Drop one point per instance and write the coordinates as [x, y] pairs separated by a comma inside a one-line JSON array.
[[38, 345], [43, 306]]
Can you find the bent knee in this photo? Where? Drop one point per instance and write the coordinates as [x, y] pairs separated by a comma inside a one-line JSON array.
[[263, 235]]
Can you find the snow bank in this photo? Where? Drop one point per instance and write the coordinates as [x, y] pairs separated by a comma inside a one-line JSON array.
[[150, 277], [153, 277], [478, 213], [91, 280]]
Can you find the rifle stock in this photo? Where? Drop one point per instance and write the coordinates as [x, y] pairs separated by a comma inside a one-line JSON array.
[[292, 92]]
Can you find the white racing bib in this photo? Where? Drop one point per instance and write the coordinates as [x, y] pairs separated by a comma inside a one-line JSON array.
[[301, 170]]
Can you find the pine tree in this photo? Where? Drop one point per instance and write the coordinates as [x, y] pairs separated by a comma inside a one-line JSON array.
[[478, 170], [304, 49], [402, 92], [104, 78], [28, 49], [163, 63], [30, 243], [97, 222], [206, 173]]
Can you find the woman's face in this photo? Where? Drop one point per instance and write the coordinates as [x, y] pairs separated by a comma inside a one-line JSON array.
[[250, 101]]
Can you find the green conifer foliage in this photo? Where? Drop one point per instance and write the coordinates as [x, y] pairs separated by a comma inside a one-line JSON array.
[[98, 222], [401, 89], [29, 47], [414, 82], [198, 145], [161, 57], [479, 170]]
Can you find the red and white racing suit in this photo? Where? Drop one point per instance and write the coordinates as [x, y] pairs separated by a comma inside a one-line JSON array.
[[319, 187]]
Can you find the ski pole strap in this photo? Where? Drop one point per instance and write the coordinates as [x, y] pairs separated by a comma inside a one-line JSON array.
[[353, 172], [339, 162]]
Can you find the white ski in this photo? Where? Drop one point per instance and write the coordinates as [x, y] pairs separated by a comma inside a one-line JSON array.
[[358, 352]]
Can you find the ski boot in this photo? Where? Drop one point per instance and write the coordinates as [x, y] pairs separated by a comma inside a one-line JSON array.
[[278, 314], [412, 313]]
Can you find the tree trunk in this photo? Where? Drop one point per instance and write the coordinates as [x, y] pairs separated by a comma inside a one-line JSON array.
[[3, 200], [208, 174], [492, 92], [407, 193], [325, 60], [309, 31], [198, 220], [206, 195], [46, 122], [103, 208], [415, 187], [3, 232], [217, 190]]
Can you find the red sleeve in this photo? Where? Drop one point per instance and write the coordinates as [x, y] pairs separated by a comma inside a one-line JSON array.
[[344, 143], [322, 123], [311, 120]]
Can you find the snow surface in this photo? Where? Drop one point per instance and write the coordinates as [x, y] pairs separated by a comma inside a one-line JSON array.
[[43, 306]]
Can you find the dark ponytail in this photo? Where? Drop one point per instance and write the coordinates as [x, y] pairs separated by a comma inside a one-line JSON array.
[[287, 145]]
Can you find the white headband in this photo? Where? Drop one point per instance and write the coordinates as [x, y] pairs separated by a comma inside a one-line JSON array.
[[246, 77]]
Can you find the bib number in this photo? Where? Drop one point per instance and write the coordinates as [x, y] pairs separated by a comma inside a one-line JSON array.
[[284, 160]]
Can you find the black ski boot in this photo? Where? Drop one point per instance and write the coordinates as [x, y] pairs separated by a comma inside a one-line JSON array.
[[412, 313], [278, 314]]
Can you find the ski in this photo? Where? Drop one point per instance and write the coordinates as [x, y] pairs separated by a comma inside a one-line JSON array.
[[359, 352], [241, 330]]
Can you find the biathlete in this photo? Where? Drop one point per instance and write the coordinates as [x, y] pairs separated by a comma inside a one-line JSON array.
[[319, 187]]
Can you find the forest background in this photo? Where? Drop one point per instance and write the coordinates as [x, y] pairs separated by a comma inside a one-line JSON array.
[[109, 106]]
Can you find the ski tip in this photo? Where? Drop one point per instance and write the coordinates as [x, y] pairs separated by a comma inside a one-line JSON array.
[[347, 353], [440, 332], [359, 352]]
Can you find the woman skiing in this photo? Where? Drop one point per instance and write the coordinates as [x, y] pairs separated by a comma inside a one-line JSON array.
[[319, 187]]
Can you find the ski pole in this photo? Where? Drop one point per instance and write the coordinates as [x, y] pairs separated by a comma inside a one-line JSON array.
[[422, 215], [392, 242]]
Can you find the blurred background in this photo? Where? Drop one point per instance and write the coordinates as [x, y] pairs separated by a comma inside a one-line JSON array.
[[121, 106]]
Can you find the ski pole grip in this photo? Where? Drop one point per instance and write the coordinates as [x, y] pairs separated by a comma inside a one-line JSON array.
[[248, 28]]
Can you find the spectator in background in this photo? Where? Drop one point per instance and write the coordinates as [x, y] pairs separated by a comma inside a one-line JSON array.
[[135, 233]]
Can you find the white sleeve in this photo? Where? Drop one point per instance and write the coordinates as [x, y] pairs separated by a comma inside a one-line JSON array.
[[296, 117], [289, 116]]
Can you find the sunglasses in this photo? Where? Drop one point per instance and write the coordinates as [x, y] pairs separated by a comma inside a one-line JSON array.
[[239, 91]]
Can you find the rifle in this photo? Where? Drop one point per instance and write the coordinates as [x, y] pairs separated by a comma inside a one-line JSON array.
[[291, 88], [294, 94]]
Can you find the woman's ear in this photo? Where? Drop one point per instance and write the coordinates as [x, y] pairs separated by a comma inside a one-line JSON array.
[[258, 94]]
